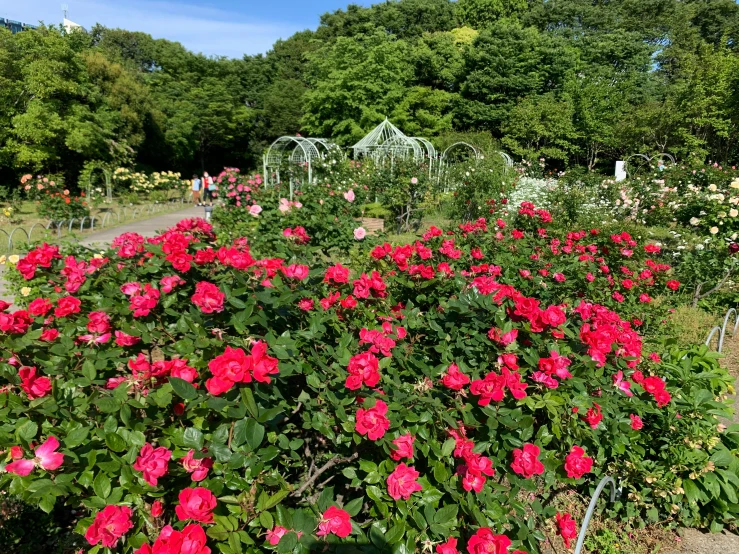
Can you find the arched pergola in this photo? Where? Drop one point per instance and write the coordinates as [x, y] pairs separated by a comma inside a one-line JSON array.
[[294, 150], [107, 177], [431, 152], [647, 159], [325, 146], [386, 140], [463, 149]]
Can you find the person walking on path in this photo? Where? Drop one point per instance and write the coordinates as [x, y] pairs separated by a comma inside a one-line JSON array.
[[196, 190], [207, 188], [212, 189]]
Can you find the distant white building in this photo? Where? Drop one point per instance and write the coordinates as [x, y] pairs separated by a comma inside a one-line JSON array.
[[71, 25]]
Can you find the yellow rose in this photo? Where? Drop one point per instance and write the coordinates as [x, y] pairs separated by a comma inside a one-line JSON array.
[[25, 291], [14, 259]]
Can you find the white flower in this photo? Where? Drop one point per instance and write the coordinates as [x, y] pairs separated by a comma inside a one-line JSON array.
[[713, 230], [699, 247], [712, 188], [13, 259], [25, 291]]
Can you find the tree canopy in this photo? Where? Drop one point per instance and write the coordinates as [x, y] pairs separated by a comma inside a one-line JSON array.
[[579, 81]]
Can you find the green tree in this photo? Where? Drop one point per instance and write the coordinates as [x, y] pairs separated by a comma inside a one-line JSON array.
[[480, 14], [541, 127], [355, 83], [506, 63]]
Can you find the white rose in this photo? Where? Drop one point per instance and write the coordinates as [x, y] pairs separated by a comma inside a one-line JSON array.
[[713, 230], [733, 212], [712, 188]]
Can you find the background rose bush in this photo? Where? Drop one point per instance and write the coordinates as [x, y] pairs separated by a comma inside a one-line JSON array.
[[439, 393]]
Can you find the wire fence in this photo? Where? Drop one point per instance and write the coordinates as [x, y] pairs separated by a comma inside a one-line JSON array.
[[18, 239]]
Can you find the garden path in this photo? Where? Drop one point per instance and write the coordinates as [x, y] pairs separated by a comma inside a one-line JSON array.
[[146, 228]]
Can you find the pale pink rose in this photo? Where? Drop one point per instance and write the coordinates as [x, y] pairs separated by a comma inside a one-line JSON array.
[[255, 210], [414, 181], [349, 195], [360, 233]]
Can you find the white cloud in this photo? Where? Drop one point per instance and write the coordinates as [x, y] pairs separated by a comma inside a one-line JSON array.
[[199, 28]]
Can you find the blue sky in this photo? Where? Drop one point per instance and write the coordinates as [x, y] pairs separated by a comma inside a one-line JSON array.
[[215, 27]]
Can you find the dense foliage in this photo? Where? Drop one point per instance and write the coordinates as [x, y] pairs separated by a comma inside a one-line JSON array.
[[188, 396], [577, 82]]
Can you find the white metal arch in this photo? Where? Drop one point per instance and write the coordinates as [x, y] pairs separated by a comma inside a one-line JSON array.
[[648, 159], [386, 140], [506, 158], [303, 153], [442, 175]]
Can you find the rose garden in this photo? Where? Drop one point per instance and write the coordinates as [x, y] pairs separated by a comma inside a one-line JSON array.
[[278, 380], [491, 310]]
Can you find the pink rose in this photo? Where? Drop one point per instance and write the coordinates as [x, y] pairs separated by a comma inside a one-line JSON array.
[[360, 233], [402, 482]]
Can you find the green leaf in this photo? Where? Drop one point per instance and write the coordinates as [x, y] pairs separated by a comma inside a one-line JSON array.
[[354, 506], [395, 533], [101, 486], [183, 389], [275, 499], [107, 404], [448, 447], [254, 433], [288, 542], [266, 520], [447, 514], [27, 431], [115, 442], [193, 438], [247, 396]]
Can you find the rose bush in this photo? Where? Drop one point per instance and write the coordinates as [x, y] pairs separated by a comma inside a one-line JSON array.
[[191, 397], [321, 218]]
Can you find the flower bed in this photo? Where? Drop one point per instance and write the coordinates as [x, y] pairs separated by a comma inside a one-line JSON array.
[[191, 398]]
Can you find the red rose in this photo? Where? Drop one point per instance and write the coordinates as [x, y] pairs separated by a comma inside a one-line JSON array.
[[99, 322], [296, 271], [197, 467], [32, 384], [402, 482], [191, 540], [274, 535], [363, 370], [673, 285], [208, 297], [49, 335], [169, 283], [485, 542], [455, 379], [448, 547], [123, 339], [152, 462], [231, 367], [39, 307], [567, 527], [263, 365], [180, 369], [156, 508], [577, 464], [372, 421], [526, 461], [109, 526], [336, 521], [338, 274], [403, 447], [636, 422], [594, 416], [196, 504], [67, 305]]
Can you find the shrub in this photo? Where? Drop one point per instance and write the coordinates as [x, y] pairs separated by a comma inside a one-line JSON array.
[[436, 393]]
